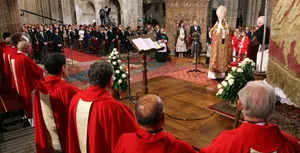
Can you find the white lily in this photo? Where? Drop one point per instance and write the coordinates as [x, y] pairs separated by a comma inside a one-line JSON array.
[[231, 81], [240, 70], [120, 81], [117, 71], [234, 69], [224, 83], [219, 86], [114, 63], [124, 75]]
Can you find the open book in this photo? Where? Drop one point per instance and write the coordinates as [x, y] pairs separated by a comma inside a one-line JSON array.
[[145, 44]]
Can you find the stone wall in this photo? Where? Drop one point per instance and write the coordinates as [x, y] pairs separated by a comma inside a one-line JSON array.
[[9, 16], [61, 10], [131, 11], [189, 11]]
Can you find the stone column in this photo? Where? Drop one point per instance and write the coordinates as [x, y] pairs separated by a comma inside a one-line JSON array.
[[68, 10], [10, 16], [56, 10], [232, 9]]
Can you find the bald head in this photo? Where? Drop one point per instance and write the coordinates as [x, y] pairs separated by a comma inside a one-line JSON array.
[[149, 110]]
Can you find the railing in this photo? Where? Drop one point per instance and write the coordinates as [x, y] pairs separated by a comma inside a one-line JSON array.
[[25, 11]]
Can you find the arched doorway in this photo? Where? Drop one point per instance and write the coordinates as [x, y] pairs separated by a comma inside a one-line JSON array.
[[115, 12], [90, 12]]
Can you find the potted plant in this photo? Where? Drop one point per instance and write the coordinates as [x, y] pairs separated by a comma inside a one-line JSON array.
[[120, 74], [236, 80]]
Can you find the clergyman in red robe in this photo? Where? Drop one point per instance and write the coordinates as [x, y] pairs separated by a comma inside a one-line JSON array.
[[255, 135], [243, 47], [152, 138], [9, 49], [96, 119], [25, 72], [52, 98]]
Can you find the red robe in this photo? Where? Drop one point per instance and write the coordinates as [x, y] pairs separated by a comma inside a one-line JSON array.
[[235, 43], [145, 142], [244, 45], [52, 98], [96, 121], [8, 52], [265, 139], [25, 73]]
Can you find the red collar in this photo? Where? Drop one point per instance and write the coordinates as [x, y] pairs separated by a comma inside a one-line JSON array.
[[49, 84]]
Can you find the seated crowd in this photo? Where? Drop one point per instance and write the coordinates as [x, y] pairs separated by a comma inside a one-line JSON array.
[[67, 119]]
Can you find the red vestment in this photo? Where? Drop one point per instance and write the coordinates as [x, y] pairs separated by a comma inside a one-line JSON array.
[[51, 104], [244, 45], [145, 142], [265, 139], [96, 121], [235, 43], [25, 73], [8, 52]]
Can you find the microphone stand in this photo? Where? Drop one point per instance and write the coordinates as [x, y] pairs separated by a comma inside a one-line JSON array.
[[196, 43]]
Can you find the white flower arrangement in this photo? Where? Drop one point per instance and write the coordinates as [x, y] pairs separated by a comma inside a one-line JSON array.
[[236, 80], [120, 75]]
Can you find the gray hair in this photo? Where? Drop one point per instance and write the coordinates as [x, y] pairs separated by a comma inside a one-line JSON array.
[[22, 45], [258, 100]]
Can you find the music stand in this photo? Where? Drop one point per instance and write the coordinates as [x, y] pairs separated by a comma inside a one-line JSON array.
[[195, 40], [144, 61]]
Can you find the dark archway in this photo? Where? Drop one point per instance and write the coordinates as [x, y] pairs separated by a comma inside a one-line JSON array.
[[117, 4]]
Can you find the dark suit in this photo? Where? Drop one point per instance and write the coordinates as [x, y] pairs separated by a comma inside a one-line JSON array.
[[196, 47], [42, 38], [57, 43], [259, 35], [192, 30]]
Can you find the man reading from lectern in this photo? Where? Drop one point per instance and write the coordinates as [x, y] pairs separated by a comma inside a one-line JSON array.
[[152, 138], [96, 119], [195, 32], [255, 135]]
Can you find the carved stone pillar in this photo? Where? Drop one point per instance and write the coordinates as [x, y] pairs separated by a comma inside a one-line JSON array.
[[10, 16], [68, 11]]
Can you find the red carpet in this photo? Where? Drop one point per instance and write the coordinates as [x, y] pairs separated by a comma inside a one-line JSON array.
[[80, 56]]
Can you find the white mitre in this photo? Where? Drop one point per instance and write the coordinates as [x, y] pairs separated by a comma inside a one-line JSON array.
[[221, 12]]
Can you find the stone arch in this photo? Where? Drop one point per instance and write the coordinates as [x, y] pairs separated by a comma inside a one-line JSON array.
[[88, 12], [115, 4]]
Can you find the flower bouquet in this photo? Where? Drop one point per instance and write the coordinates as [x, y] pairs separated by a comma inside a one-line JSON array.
[[236, 80], [120, 72]]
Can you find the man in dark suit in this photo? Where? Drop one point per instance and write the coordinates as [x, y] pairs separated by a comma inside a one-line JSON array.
[[193, 33], [195, 28], [43, 42], [122, 39]]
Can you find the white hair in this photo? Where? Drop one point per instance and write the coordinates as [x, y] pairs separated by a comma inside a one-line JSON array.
[[22, 45], [261, 20], [258, 100]]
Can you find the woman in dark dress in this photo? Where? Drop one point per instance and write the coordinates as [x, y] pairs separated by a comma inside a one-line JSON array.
[[57, 42], [162, 38]]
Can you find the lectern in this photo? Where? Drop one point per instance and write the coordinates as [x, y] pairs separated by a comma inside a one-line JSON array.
[[145, 45]]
